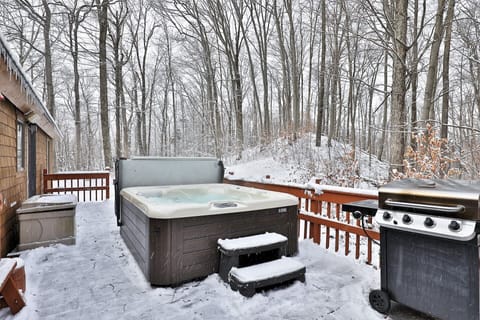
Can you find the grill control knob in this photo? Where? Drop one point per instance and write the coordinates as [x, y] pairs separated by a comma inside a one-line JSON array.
[[357, 214], [406, 219], [454, 225], [428, 222], [387, 215]]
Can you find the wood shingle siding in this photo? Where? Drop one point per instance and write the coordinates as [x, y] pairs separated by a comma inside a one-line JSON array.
[[12, 182]]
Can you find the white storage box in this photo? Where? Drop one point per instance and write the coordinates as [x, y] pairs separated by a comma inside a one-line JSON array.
[[47, 219]]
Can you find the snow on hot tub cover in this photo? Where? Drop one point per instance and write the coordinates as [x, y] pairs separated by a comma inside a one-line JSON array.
[[181, 201]]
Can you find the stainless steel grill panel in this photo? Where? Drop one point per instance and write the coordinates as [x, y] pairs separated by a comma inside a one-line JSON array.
[[448, 198]]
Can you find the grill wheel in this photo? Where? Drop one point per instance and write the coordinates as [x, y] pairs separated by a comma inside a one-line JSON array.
[[379, 300]]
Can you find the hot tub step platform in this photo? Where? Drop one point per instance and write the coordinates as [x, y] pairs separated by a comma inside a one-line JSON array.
[[245, 245], [245, 251], [248, 279]]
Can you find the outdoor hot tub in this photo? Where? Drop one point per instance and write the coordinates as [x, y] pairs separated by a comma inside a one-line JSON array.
[[172, 230]]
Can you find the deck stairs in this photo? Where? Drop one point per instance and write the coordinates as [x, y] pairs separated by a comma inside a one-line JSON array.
[[257, 262]]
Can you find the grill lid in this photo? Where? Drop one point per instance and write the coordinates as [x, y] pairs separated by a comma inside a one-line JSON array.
[[450, 198]]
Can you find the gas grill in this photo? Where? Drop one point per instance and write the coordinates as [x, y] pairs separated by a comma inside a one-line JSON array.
[[429, 246]]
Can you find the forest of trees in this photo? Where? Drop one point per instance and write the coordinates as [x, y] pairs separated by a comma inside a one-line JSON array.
[[397, 79]]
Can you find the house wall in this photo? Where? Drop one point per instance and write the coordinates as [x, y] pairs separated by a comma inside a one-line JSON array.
[[13, 183]]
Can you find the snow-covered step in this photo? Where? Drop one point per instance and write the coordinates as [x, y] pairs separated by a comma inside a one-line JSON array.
[[247, 279], [245, 244], [244, 251]]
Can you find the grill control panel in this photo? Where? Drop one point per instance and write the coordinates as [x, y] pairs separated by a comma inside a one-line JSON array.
[[439, 226]]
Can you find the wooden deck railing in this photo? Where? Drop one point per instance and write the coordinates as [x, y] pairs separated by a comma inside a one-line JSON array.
[[87, 186], [321, 217]]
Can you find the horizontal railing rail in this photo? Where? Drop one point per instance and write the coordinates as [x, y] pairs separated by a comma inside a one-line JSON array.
[[87, 186], [321, 217]]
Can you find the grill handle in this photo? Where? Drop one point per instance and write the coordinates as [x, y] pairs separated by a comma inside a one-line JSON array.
[[425, 207]]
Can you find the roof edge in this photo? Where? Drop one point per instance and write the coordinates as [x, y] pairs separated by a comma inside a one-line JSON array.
[[16, 69]]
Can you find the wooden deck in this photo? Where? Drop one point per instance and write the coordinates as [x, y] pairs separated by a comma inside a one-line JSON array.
[[97, 278]]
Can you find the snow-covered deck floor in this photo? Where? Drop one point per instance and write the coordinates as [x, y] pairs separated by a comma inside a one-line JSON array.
[[98, 279]]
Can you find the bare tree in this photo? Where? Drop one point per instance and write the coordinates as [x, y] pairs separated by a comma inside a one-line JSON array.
[[321, 89], [335, 107], [102, 12], [295, 76], [446, 69], [227, 28], [118, 16], [142, 30], [44, 19], [399, 86], [429, 97], [261, 14], [76, 14]]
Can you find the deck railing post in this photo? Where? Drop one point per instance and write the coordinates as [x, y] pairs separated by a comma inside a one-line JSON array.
[[108, 185]]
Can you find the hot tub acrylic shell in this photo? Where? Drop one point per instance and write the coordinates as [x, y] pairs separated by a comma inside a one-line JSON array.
[[173, 245]]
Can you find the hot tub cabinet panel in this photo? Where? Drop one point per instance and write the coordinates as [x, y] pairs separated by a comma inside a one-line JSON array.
[[135, 231], [173, 251]]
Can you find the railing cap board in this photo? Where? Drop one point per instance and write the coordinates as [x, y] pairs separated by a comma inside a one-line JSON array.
[[90, 175], [299, 190], [81, 172], [344, 190]]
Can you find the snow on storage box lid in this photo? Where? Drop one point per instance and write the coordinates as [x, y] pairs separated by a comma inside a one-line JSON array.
[[48, 202]]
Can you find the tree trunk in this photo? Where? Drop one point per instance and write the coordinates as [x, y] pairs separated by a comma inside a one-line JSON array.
[[116, 37], [102, 8], [398, 115], [332, 132], [313, 15], [261, 18], [295, 77], [381, 143], [428, 102], [445, 70], [321, 89], [256, 99], [286, 101], [48, 59], [76, 89], [414, 76]]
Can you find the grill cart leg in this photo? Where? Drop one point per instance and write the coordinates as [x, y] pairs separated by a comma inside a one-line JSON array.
[[380, 301]]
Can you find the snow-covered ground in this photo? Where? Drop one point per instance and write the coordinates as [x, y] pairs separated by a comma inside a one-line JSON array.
[[98, 279]]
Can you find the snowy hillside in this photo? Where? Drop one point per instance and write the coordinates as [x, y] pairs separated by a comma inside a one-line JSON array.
[[299, 162]]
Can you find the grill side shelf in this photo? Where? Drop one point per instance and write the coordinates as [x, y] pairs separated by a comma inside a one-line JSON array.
[[366, 207]]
